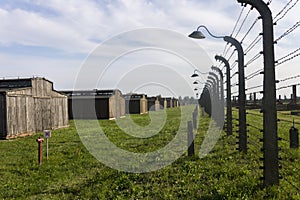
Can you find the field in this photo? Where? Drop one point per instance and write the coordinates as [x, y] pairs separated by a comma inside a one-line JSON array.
[[73, 173]]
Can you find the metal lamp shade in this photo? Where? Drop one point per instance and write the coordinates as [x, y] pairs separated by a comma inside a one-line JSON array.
[[197, 35]]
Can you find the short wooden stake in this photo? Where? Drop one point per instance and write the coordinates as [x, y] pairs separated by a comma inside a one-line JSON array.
[[40, 149], [191, 148]]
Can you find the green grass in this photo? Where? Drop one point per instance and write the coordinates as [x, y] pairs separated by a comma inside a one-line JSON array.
[[73, 173]]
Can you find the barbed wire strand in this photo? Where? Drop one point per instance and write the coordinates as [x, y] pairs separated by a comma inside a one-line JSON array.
[[281, 11], [288, 57], [242, 24], [254, 74], [287, 32], [233, 65], [287, 86], [289, 78], [254, 114], [237, 21], [225, 54], [249, 30], [284, 120], [284, 14], [234, 28], [254, 87], [253, 44], [228, 59], [255, 57]]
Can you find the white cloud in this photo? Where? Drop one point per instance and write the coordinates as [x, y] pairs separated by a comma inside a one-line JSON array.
[[25, 28], [78, 22], [77, 26]]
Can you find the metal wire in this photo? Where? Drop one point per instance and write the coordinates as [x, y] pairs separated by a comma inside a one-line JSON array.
[[255, 127], [254, 74], [254, 114], [284, 120], [251, 27], [287, 86], [257, 56], [242, 24], [253, 44], [225, 54], [287, 10], [291, 185], [289, 165], [231, 54], [289, 78], [287, 32], [288, 57], [281, 11], [286, 153], [233, 65], [235, 92], [254, 87], [255, 150], [234, 28], [237, 21]]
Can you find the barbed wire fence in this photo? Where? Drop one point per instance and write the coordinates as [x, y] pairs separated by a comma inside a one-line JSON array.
[[247, 30]]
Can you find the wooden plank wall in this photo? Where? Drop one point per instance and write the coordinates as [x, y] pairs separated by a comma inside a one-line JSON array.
[[35, 109], [2, 115], [143, 105], [116, 105]]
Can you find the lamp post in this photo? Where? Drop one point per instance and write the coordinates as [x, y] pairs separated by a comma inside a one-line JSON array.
[[270, 135], [216, 78], [216, 98], [221, 86], [228, 96], [213, 94], [197, 82], [213, 83], [197, 72], [221, 81], [205, 99], [242, 96], [197, 88]]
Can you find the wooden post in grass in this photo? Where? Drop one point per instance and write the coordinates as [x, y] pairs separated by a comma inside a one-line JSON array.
[[40, 149], [294, 137], [191, 149], [195, 119]]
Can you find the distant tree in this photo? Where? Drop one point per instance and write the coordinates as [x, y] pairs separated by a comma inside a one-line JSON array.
[[180, 100], [187, 100], [192, 100]]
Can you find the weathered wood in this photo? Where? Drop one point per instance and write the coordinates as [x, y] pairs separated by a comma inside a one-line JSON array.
[[3, 124], [34, 109]]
